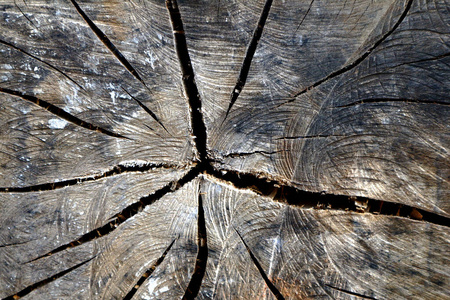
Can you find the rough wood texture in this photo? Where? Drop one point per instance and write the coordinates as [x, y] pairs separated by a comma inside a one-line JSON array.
[[224, 149]]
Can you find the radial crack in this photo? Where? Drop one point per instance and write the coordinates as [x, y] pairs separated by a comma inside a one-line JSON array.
[[60, 112], [241, 154], [119, 169], [125, 214], [320, 200], [269, 283], [245, 68], [105, 40], [21, 11], [350, 293], [147, 274], [146, 109], [190, 87], [310, 136], [388, 100], [435, 58], [46, 281], [356, 62], [202, 256], [13, 244], [304, 16], [41, 61]]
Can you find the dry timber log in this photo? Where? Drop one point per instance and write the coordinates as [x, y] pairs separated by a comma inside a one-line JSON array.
[[224, 149]]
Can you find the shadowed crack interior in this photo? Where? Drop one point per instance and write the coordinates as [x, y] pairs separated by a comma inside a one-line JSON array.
[[60, 112], [350, 293], [202, 256], [107, 42], [146, 109], [188, 78], [359, 60], [255, 261], [245, 68], [46, 281], [148, 273], [125, 214], [40, 60], [116, 170]]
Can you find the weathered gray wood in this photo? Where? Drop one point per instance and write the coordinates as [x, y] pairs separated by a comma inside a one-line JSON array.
[[56, 34], [311, 254], [391, 137], [52, 218], [102, 174]]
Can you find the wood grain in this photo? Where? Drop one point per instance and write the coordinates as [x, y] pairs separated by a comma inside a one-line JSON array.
[[224, 149]]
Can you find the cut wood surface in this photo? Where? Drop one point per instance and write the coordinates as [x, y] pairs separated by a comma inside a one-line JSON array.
[[224, 149]]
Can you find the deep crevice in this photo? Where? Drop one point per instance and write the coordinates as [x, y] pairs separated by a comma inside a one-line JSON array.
[[358, 61], [245, 68], [119, 169], [350, 293], [41, 61], [292, 196], [46, 281], [149, 272], [108, 44], [146, 109], [125, 214], [202, 256], [190, 87], [269, 283], [60, 112]]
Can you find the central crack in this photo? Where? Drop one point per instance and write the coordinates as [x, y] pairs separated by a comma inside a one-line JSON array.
[[190, 87]]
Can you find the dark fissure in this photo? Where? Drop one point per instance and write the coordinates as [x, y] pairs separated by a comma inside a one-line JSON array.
[[126, 213], [188, 78], [46, 281], [359, 60], [147, 110], [60, 112], [202, 257], [147, 274], [249, 56], [350, 293], [255, 261], [40, 60], [116, 170], [107, 42], [277, 191]]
